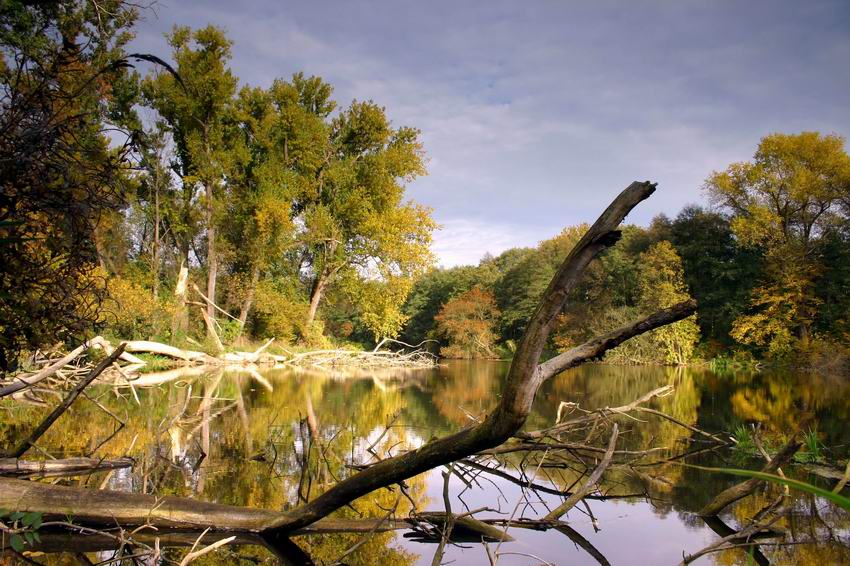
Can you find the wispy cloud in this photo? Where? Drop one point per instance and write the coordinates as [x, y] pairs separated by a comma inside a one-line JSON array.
[[535, 116], [464, 241]]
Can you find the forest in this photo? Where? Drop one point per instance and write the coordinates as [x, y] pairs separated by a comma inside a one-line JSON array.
[[288, 210], [165, 225]]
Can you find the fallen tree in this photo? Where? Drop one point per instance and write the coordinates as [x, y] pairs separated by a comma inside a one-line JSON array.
[[525, 376]]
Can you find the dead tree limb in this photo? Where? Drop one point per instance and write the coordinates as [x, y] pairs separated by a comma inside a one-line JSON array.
[[743, 489], [69, 400], [589, 484], [27, 381], [12, 467]]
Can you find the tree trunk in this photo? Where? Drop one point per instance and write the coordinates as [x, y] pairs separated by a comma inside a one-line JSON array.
[[249, 300], [155, 250], [212, 259], [316, 296], [180, 322]]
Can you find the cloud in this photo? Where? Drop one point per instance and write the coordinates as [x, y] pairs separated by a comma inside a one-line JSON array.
[[534, 117], [464, 241]]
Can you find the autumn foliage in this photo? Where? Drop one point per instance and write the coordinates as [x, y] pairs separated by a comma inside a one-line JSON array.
[[467, 323]]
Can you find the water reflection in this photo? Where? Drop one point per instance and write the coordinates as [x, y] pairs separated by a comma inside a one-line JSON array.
[[245, 437]]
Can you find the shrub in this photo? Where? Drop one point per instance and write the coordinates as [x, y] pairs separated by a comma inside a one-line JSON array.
[[132, 313]]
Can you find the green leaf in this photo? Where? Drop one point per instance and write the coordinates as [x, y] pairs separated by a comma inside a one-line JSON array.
[[36, 536], [32, 519], [17, 543], [16, 516], [28, 536], [3, 513]]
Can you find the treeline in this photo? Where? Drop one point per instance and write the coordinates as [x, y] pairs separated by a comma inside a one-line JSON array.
[[169, 203], [769, 265], [122, 191]]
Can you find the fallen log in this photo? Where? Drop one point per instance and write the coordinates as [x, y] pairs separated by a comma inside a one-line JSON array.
[[148, 347], [14, 467]]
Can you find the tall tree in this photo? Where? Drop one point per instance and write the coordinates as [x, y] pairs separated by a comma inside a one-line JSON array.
[[286, 137], [783, 202], [199, 114], [355, 219], [719, 272], [63, 82]]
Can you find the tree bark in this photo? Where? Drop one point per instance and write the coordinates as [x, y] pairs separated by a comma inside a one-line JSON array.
[[212, 259], [155, 250], [316, 296], [249, 300], [57, 468]]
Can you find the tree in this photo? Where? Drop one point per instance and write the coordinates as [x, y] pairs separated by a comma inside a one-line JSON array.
[[198, 111], [355, 219], [434, 289], [520, 288], [63, 82], [719, 272], [783, 202], [467, 324], [662, 284]]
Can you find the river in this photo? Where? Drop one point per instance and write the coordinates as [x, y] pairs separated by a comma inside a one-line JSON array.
[[237, 438]]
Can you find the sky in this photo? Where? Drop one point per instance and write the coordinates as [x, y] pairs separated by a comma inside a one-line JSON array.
[[535, 115]]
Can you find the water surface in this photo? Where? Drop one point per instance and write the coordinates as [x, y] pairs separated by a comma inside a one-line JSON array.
[[242, 439]]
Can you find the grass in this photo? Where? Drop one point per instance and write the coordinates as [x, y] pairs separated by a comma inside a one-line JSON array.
[[154, 362], [810, 453]]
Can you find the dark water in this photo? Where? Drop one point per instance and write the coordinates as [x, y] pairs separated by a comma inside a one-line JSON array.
[[234, 438]]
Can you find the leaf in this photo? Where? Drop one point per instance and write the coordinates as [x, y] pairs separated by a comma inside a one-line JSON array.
[[28, 536], [17, 543], [3, 513], [16, 516], [32, 520], [36, 536]]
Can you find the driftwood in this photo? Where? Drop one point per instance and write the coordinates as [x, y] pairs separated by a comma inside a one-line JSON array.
[[743, 489], [13, 467], [69, 400], [525, 376], [590, 484], [20, 382]]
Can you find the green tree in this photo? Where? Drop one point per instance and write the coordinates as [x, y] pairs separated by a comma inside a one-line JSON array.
[[719, 272], [285, 135], [783, 202], [63, 83], [356, 223], [199, 114]]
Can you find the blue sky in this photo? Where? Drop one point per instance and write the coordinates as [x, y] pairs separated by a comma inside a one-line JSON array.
[[535, 114]]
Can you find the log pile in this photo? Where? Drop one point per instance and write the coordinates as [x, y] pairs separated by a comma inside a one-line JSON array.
[[57, 371]]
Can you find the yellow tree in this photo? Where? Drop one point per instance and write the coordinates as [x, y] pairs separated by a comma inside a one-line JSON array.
[[662, 284], [783, 202], [356, 223]]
